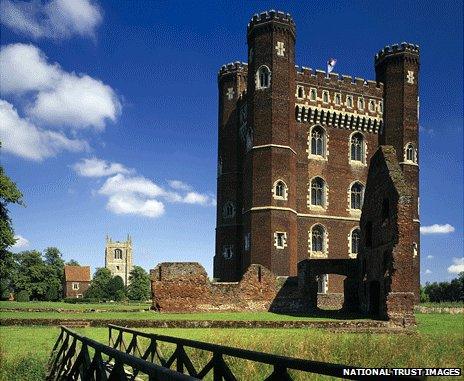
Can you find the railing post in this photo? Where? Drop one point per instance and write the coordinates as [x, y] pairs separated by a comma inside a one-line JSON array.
[[180, 359], [217, 366]]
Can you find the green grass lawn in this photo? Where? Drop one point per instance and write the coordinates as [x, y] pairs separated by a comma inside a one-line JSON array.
[[438, 343], [151, 315]]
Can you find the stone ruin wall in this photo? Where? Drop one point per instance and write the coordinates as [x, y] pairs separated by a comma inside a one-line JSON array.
[[185, 287]]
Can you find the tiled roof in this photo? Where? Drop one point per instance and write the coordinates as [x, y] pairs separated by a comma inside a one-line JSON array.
[[77, 273]]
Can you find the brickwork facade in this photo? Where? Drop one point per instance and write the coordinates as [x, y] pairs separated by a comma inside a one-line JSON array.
[[76, 281], [388, 262], [311, 135]]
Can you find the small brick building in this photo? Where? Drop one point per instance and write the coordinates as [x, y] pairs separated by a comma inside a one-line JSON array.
[[76, 281], [294, 148]]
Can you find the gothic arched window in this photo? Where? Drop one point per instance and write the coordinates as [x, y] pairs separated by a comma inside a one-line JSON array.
[[357, 147], [411, 153], [117, 254], [317, 191], [300, 92], [318, 141], [263, 77], [228, 210], [356, 196], [280, 190], [338, 99], [318, 239], [355, 241]]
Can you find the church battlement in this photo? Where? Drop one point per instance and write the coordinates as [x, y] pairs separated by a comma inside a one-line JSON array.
[[389, 50], [271, 15], [337, 81], [233, 67]]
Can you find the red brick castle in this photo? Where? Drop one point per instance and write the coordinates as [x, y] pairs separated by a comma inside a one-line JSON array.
[[295, 147]]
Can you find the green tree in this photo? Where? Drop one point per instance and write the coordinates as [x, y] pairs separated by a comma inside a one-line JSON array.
[[99, 286], [139, 286], [116, 288], [9, 194], [72, 262], [54, 261], [33, 274]]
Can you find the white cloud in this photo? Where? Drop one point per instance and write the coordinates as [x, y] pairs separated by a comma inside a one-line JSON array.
[[24, 68], [95, 167], [457, 266], [429, 256], [57, 19], [196, 198], [133, 204], [130, 194], [59, 98], [76, 101], [130, 185], [179, 185], [20, 242], [22, 138], [437, 229], [428, 271]]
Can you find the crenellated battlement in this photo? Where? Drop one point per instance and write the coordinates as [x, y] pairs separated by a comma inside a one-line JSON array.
[[233, 67], [341, 82], [395, 49], [272, 15]]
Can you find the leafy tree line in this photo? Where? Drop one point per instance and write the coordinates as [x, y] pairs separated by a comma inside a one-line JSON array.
[[444, 291], [106, 287], [36, 276], [40, 276]]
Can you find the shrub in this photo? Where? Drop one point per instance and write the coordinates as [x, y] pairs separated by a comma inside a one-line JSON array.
[[22, 296]]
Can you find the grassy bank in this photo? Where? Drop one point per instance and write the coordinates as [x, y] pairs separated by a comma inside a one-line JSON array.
[[24, 351], [151, 315]]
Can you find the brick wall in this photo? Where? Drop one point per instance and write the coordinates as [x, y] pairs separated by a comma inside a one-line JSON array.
[[70, 293], [387, 265]]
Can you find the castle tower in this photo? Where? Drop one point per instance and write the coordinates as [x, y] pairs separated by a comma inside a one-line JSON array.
[[397, 66], [270, 223], [118, 258], [232, 112]]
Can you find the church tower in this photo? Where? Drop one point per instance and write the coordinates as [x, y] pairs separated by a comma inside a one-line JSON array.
[[118, 258]]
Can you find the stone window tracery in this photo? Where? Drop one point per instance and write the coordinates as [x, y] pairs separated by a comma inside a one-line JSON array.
[[280, 190], [318, 192], [263, 80], [410, 153], [228, 210], [357, 149], [117, 254], [318, 140], [355, 241], [356, 196], [318, 241]]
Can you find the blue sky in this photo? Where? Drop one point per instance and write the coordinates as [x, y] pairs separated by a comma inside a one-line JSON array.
[[108, 116]]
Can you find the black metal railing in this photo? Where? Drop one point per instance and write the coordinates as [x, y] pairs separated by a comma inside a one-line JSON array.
[[129, 341], [75, 357]]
